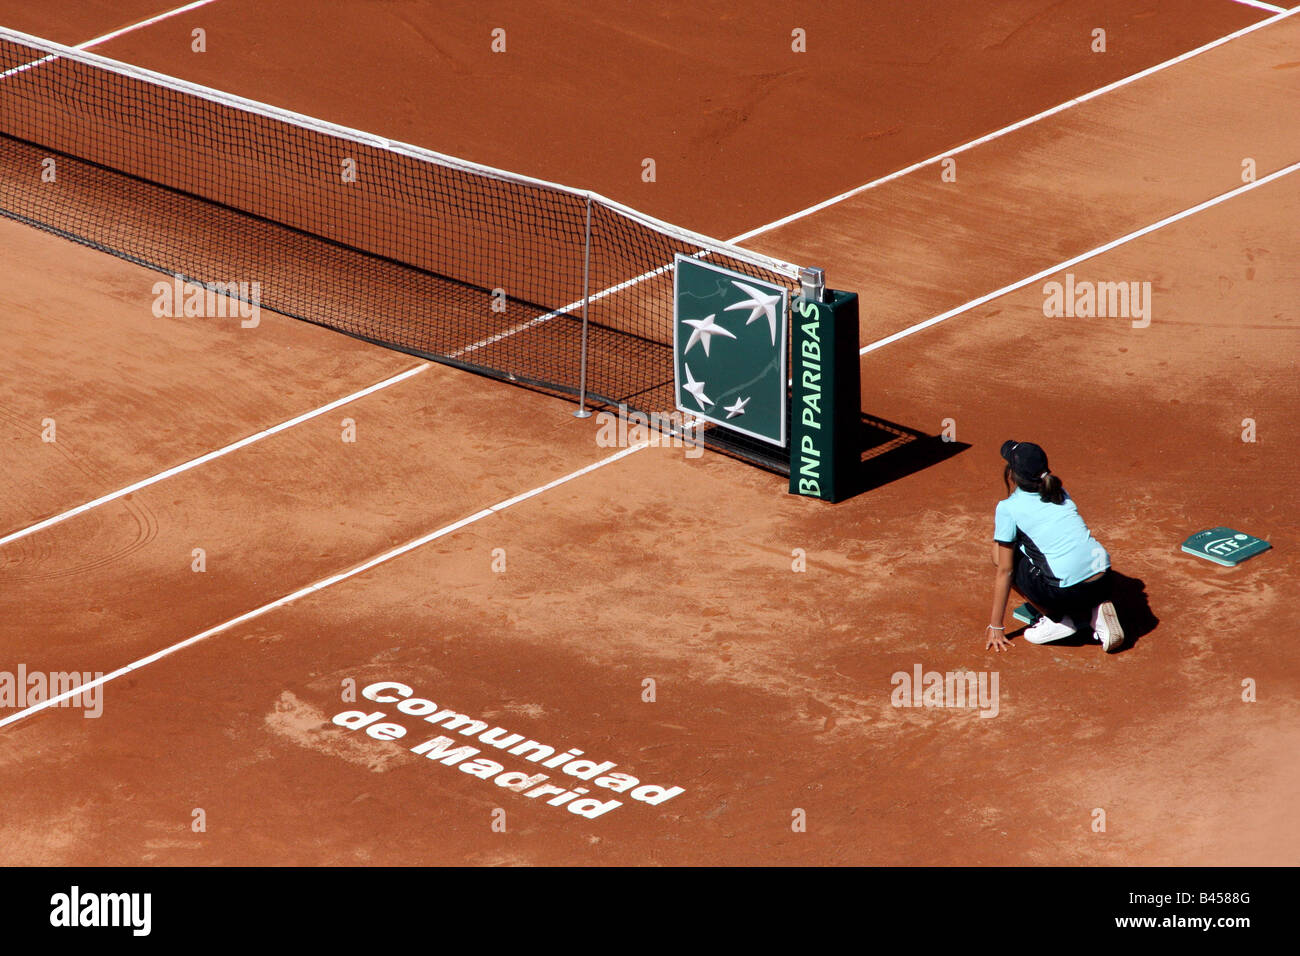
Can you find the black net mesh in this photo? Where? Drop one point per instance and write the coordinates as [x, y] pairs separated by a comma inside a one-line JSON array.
[[434, 257]]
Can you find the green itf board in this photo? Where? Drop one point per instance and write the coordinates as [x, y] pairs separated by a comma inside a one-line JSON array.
[[729, 349], [1225, 546]]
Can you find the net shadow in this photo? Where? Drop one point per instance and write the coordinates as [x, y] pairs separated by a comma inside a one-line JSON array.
[[891, 451]]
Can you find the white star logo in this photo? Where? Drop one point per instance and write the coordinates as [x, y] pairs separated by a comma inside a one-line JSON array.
[[738, 408], [696, 388], [760, 302], [705, 329]]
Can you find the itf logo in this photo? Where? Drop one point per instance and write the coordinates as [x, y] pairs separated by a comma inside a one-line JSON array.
[[1225, 546], [729, 349]]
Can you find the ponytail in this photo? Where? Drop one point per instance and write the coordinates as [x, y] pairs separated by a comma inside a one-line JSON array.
[[1050, 490], [1047, 485]]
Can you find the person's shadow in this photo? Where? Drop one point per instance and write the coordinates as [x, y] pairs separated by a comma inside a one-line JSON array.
[[1135, 615]]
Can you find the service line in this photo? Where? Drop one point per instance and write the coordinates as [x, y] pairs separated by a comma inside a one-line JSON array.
[[123, 31], [324, 583], [1019, 124], [89, 44], [203, 459], [1261, 6], [1098, 250]]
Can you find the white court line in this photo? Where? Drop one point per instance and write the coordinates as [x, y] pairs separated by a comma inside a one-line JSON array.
[[89, 44], [321, 584], [1021, 124], [1051, 270], [654, 272], [202, 459], [1261, 6], [143, 23]]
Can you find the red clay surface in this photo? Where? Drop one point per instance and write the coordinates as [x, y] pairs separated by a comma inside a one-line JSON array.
[[79, 21], [712, 92], [772, 687]]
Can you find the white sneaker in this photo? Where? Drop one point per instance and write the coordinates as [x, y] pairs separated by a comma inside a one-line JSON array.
[[1105, 624], [1047, 630]]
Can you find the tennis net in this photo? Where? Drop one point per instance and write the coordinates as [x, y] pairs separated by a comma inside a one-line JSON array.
[[445, 259]]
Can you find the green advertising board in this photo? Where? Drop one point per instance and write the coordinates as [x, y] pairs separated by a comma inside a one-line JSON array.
[[729, 349], [825, 439]]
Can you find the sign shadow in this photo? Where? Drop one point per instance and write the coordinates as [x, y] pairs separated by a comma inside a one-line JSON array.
[[891, 451]]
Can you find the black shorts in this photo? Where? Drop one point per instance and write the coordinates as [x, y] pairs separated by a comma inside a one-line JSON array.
[[1076, 601]]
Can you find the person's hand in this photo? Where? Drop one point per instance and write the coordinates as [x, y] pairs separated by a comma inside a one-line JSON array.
[[997, 640]]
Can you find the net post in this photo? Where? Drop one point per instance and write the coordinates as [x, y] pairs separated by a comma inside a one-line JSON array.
[[826, 425], [583, 411]]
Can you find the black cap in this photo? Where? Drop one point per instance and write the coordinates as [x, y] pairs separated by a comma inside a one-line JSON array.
[[1027, 460]]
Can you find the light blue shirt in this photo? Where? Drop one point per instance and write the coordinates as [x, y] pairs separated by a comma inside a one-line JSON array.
[[1050, 533]]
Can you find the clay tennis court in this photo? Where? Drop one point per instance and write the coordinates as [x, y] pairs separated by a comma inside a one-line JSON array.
[[551, 577]]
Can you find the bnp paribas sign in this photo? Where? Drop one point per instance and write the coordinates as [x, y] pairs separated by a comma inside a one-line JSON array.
[[729, 349]]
